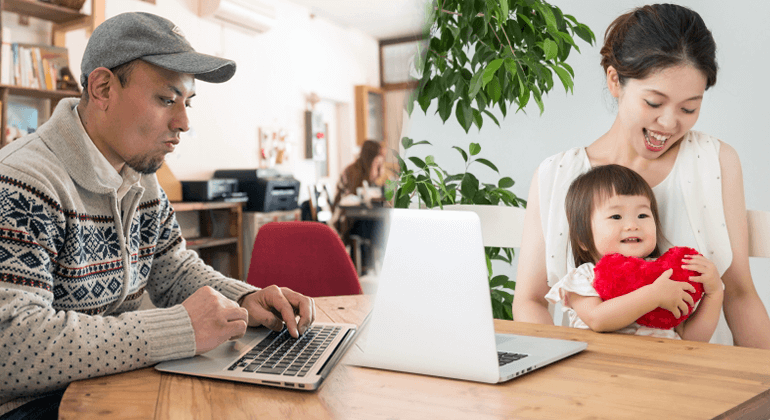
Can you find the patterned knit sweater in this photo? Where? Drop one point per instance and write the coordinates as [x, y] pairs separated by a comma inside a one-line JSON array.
[[72, 275]]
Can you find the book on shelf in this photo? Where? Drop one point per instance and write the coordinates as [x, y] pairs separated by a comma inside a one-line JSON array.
[[34, 66]]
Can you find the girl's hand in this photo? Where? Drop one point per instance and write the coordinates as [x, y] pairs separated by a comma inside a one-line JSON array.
[[672, 295], [709, 277]]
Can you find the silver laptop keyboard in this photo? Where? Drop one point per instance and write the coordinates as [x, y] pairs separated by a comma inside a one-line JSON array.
[[503, 358], [281, 354]]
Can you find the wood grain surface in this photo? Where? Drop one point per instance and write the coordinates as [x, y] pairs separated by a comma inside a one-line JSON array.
[[617, 377]]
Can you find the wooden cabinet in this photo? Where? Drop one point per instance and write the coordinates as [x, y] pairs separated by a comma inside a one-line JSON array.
[[64, 19], [215, 231], [370, 114]]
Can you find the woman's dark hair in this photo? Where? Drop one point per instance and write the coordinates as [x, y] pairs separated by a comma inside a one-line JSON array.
[[369, 151], [587, 190], [656, 37], [359, 171]]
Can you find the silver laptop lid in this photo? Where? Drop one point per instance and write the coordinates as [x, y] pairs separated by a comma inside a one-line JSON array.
[[432, 313]]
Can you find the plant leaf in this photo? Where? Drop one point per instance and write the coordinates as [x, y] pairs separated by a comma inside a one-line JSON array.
[[505, 182], [469, 186], [445, 107], [584, 32], [474, 149], [565, 78], [425, 195], [418, 162], [476, 84], [494, 90], [527, 21], [477, 118], [407, 142], [550, 48], [462, 152], [488, 163], [401, 164], [498, 280], [408, 186], [464, 115], [489, 72], [489, 114], [403, 201]]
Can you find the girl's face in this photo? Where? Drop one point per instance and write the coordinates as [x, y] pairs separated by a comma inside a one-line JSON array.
[[623, 224], [655, 112]]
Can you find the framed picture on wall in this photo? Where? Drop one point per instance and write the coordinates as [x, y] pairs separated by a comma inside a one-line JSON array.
[[397, 61]]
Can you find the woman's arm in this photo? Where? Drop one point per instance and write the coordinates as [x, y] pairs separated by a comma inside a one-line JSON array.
[[529, 304], [622, 311], [744, 311], [702, 324]]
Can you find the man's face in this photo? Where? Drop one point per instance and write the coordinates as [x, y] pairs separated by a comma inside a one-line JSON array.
[[147, 116]]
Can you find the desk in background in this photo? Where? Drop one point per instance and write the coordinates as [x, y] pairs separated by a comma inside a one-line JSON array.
[[617, 377]]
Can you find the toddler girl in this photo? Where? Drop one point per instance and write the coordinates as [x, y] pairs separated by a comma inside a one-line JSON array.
[[611, 209]]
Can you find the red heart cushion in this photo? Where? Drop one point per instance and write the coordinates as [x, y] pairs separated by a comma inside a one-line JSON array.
[[616, 275]]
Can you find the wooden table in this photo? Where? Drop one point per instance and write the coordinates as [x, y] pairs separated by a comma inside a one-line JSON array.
[[617, 377]]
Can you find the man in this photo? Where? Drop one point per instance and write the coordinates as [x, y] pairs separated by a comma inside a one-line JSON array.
[[85, 228]]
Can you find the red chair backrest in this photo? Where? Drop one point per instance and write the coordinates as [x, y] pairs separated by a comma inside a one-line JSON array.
[[307, 257]]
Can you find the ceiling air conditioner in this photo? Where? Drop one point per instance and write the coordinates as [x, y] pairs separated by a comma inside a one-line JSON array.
[[249, 15]]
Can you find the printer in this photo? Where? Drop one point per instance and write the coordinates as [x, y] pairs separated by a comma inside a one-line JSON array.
[[266, 189]]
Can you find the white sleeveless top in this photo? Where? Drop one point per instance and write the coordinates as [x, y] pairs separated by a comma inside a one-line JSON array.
[[689, 203]]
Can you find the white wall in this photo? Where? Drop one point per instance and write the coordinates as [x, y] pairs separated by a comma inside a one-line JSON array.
[[276, 71], [735, 110]]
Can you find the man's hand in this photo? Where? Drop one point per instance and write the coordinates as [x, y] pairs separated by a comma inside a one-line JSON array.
[[273, 306], [215, 318]]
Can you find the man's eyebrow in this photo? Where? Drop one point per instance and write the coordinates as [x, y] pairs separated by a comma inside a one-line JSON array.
[[666, 96], [179, 92]]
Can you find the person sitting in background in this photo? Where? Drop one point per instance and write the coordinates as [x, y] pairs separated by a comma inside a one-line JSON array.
[[364, 172]]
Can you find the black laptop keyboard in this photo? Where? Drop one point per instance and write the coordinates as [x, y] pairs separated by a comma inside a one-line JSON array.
[[504, 358], [281, 354]]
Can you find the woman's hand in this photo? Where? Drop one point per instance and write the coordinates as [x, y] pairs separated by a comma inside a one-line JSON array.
[[672, 295], [712, 283]]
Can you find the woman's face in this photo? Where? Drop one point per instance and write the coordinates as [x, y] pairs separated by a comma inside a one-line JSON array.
[[655, 112], [377, 165]]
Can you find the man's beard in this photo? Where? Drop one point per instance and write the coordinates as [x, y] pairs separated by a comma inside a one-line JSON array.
[[145, 164]]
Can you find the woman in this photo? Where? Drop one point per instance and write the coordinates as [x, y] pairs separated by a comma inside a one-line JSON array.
[[659, 60], [368, 168]]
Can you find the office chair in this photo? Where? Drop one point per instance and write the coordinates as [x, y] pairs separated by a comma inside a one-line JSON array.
[[306, 257]]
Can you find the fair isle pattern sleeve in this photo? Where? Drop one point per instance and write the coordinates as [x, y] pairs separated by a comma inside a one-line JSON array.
[[177, 272], [61, 269]]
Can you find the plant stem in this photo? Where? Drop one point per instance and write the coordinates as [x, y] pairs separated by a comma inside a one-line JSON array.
[[500, 41]]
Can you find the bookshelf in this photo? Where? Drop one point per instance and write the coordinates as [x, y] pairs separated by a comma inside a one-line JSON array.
[[64, 19], [214, 230]]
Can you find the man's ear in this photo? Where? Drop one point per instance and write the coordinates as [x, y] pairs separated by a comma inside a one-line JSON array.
[[100, 84], [613, 81]]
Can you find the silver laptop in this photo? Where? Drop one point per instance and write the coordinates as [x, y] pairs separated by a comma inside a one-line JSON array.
[[272, 358], [433, 315]]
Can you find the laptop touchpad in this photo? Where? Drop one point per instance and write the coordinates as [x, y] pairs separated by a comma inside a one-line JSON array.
[[503, 338]]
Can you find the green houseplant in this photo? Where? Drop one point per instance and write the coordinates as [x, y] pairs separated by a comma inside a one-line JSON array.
[[483, 55]]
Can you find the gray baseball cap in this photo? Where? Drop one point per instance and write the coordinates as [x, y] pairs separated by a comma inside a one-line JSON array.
[[154, 39]]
